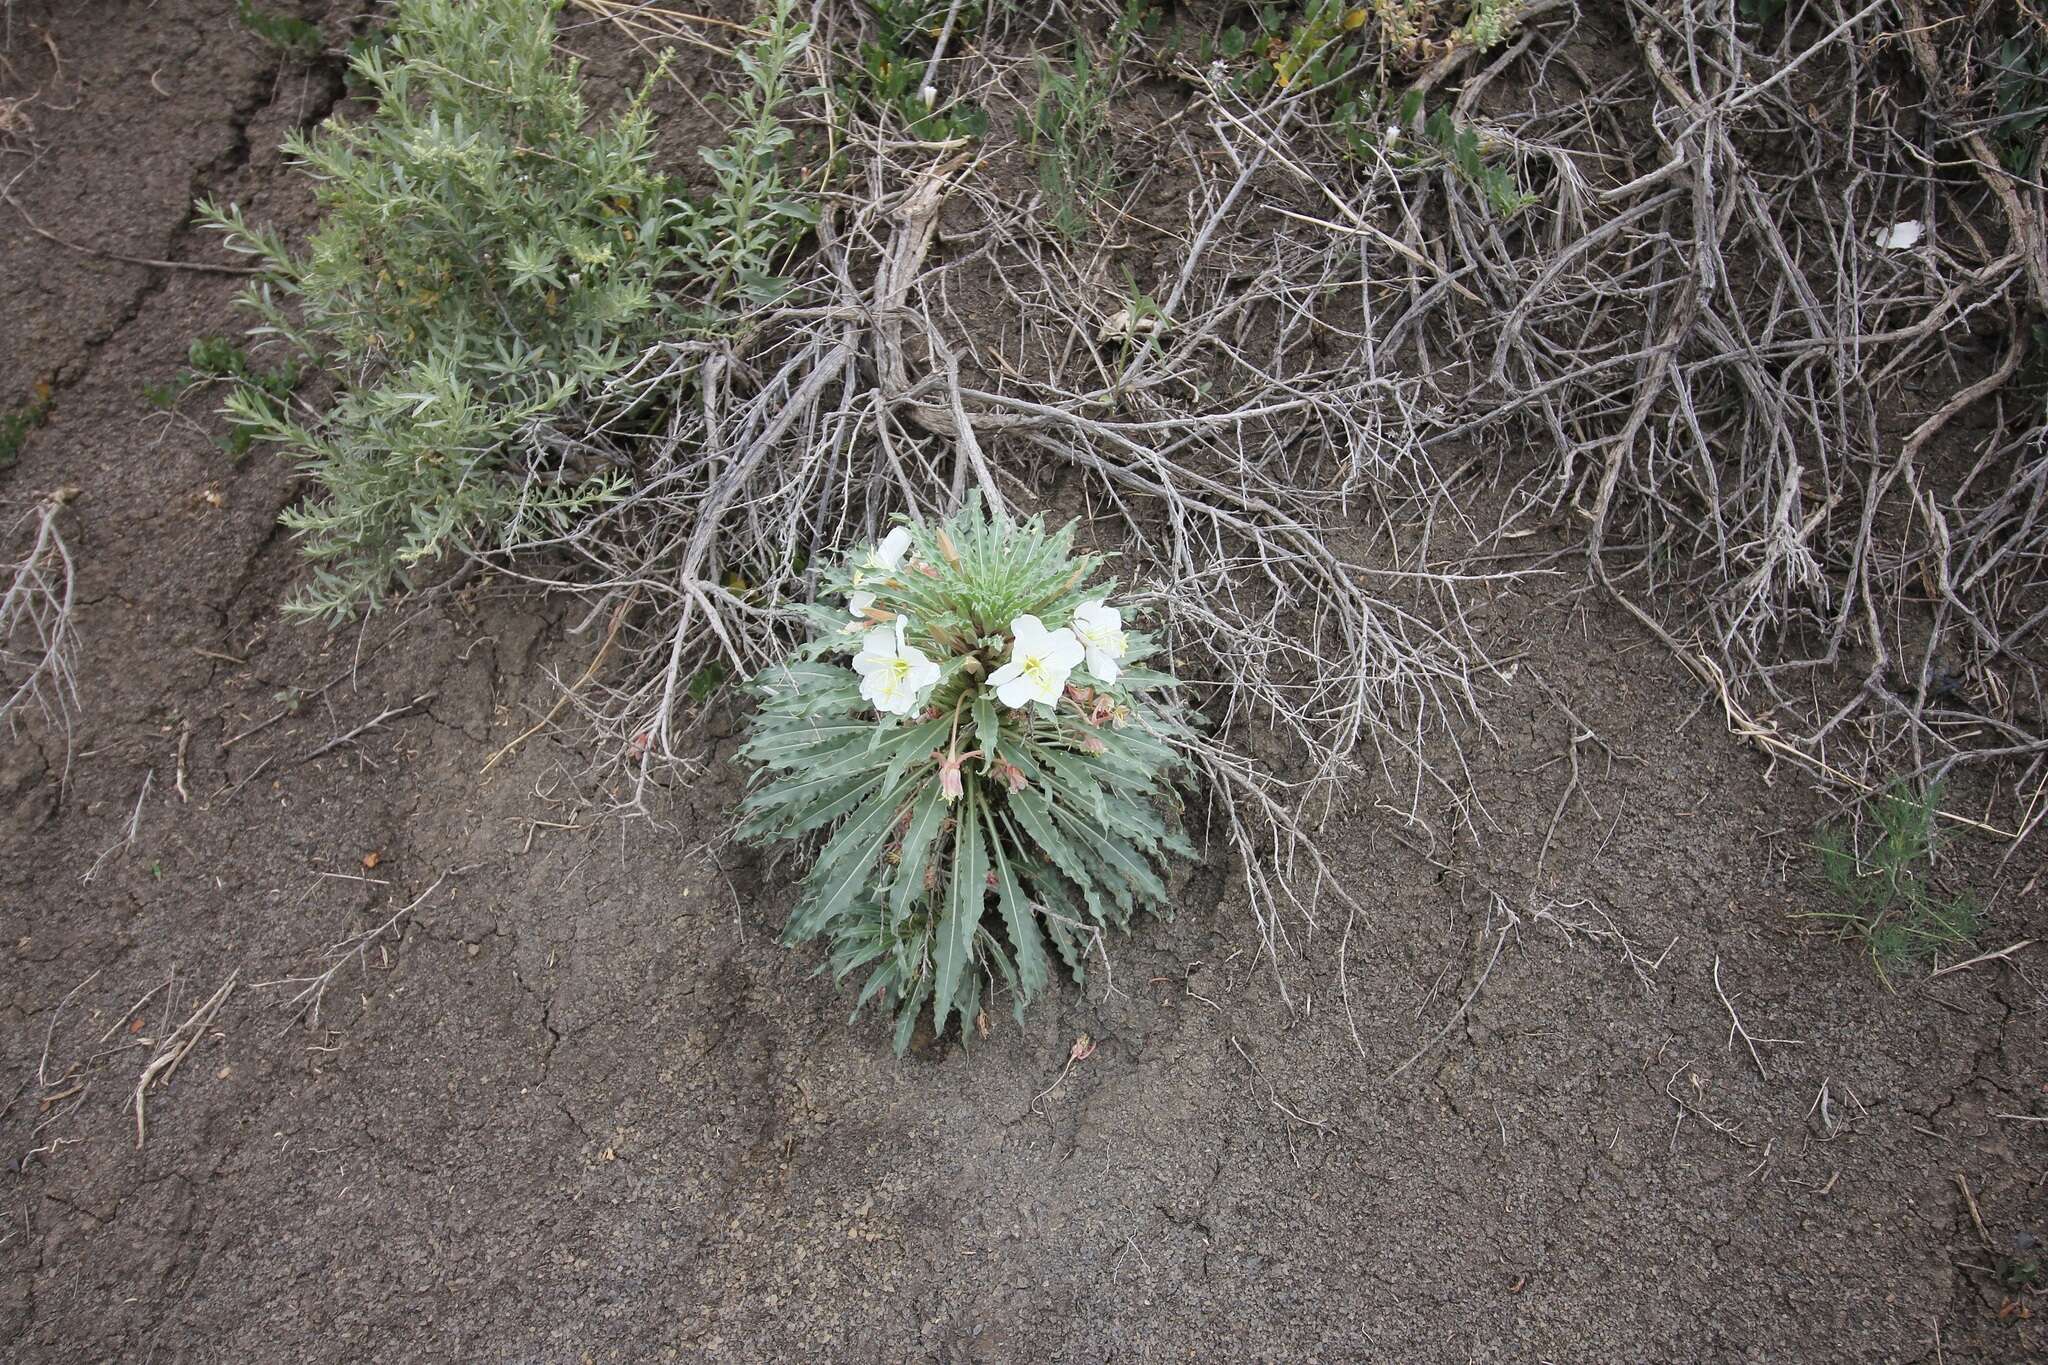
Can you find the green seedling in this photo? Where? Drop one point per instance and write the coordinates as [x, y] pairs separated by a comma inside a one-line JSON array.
[[1883, 883]]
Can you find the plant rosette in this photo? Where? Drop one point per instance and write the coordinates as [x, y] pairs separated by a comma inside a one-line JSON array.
[[980, 758]]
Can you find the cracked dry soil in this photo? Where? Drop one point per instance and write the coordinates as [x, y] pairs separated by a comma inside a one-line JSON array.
[[578, 1106]]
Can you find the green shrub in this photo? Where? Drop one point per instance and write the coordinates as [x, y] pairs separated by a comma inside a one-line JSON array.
[[487, 258], [17, 423], [973, 730], [1351, 55], [287, 33], [890, 76], [2022, 96], [213, 358], [737, 238], [1884, 887], [1067, 134]]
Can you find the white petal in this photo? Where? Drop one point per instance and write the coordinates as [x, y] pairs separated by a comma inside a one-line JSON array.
[[1901, 236], [1055, 676], [1014, 691], [1103, 665], [1008, 673], [1063, 649], [923, 672], [1100, 627], [1026, 631], [889, 554], [1094, 616], [859, 603]]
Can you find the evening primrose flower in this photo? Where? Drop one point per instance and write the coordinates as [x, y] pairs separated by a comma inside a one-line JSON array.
[[1101, 630], [886, 559], [892, 671], [1040, 661]]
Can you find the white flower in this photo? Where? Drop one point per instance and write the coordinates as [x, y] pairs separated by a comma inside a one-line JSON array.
[[1101, 629], [887, 557], [859, 603], [1040, 661], [892, 673]]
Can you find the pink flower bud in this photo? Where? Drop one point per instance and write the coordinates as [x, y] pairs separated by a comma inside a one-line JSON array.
[[1091, 745]]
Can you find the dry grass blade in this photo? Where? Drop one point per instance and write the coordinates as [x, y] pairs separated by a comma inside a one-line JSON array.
[[38, 591], [312, 990], [172, 1050]]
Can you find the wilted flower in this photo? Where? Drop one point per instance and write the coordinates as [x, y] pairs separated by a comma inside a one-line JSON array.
[[951, 786], [1100, 628], [1040, 661], [1010, 775], [892, 672]]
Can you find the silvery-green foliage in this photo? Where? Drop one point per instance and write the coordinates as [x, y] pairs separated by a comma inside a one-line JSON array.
[[487, 257], [962, 845], [737, 238]]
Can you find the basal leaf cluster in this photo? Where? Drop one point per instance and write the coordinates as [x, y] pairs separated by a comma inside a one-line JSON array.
[[965, 846]]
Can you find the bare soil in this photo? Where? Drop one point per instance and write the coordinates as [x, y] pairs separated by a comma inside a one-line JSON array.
[[579, 1104]]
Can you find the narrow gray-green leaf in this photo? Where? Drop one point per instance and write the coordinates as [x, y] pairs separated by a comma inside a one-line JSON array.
[[1020, 918], [966, 895], [927, 813], [988, 726]]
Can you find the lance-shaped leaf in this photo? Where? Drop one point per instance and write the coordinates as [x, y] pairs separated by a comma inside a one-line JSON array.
[[1020, 918], [967, 892], [927, 813]]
